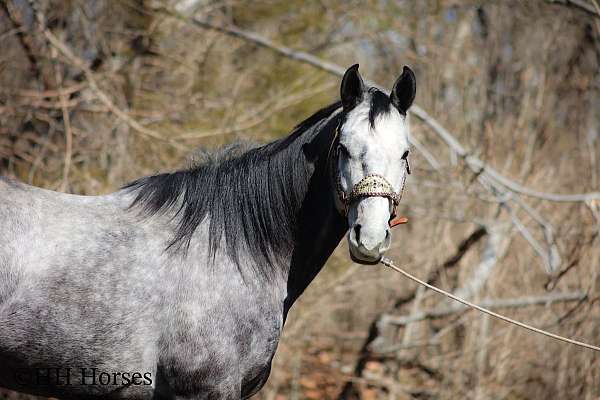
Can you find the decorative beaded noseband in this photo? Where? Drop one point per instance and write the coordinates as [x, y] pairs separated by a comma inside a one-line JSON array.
[[372, 185]]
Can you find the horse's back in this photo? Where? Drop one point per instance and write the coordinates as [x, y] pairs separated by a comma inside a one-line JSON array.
[[37, 225], [71, 277], [14, 223], [48, 238]]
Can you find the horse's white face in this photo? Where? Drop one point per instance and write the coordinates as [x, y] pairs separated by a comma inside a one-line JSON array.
[[373, 140]]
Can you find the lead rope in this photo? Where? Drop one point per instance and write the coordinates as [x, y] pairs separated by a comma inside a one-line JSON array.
[[389, 263]]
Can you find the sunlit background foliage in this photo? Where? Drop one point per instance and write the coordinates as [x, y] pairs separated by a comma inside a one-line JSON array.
[[516, 82]]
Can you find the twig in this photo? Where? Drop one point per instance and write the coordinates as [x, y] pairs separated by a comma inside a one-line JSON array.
[[388, 263], [258, 115], [416, 306], [484, 330], [430, 158], [551, 258], [487, 303], [260, 41], [66, 91], [579, 4], [477, 165], [496, 245], [551, 264], [67, 124], [554, 259], [79, 63]]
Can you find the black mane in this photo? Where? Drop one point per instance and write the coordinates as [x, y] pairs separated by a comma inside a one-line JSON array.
[[380, 104], [251, 195]]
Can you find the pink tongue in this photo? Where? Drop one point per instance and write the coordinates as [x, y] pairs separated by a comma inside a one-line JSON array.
[[398, 221]]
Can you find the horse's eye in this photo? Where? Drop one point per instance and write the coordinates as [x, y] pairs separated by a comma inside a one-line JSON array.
[[405, 158], [343, 149]]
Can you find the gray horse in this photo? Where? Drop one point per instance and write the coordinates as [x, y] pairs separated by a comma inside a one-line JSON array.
[[178, 285]]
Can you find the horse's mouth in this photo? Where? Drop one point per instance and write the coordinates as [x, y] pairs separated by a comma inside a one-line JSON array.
[[365, 260]]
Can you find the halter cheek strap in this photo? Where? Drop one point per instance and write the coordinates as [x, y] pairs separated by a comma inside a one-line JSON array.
[[372, 185]]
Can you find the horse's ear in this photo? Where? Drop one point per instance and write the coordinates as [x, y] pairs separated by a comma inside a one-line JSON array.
[[403, 93], [352, 87]]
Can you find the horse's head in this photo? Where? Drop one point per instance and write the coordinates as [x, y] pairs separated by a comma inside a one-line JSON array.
[[371, 150]]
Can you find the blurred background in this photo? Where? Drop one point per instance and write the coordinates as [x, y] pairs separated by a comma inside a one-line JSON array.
[[94, 93]]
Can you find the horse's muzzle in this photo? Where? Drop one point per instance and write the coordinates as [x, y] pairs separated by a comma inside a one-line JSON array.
[[367, 247]]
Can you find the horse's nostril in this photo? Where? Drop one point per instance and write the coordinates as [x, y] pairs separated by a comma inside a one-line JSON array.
[[387, 234], [357, 232]]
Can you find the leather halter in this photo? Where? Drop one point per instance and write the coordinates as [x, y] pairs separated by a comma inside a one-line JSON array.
[[371, 185]]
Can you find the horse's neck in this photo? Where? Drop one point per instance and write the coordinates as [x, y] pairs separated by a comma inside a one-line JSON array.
[[320, 226]]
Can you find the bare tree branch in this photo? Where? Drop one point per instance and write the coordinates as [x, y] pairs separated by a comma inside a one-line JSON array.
[[103, 97], [495, 247], [68, 131], [488, 303], [494, 182], [578, 4], [474, 163]]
